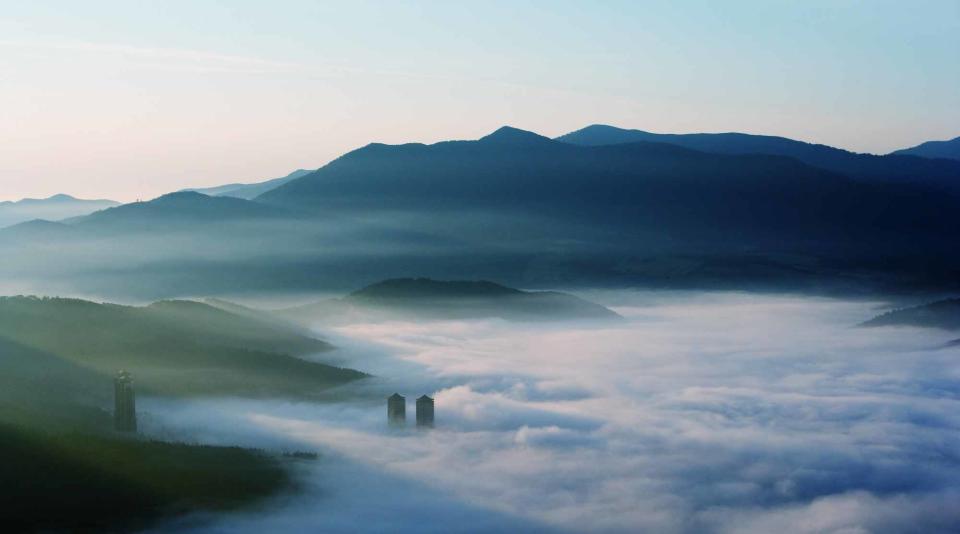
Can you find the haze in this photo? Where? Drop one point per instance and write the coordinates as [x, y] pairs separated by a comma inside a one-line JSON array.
[[678, 267]]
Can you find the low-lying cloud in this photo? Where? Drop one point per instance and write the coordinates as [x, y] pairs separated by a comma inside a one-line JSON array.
[[701, 413]]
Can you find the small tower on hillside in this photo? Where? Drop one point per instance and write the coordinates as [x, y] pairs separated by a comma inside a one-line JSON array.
[[425, 412], [397, 410], [124, 403]]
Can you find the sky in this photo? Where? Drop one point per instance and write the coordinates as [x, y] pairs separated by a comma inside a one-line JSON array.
[[126, 100], [698, 413]]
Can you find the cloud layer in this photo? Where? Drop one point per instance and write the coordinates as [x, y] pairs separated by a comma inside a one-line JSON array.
[[702, 413]]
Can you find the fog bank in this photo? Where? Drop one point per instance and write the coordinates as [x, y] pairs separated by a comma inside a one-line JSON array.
[[709, 412]]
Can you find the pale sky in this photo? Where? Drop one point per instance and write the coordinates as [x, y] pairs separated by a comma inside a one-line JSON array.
[[131, 99]]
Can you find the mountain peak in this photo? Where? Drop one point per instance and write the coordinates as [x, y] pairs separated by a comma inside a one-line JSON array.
[[178, 196], [604, 134], [509, 134], [604, 127]]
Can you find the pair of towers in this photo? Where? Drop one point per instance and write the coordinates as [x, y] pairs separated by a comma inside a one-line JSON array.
[[124, 403], [397, 411]]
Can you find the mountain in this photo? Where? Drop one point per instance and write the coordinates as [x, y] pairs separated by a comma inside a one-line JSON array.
[[934, 149], [52, 209], [56, 433], [943, 314], [248, 191], [894, 168], [518, 208], [180, 244], [36, 229], [57, 360], [435, 299], [173, 347], [177, 210], [519, 194]]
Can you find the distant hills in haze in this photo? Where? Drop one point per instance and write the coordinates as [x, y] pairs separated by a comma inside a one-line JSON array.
[[177, 209], [249, 191], [934, 149], [944, 314], [600, 206], [52, 208], [449, 299]]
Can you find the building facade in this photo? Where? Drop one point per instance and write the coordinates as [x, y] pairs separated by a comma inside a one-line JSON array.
[[397, 409], [425, 412], [124, 403]]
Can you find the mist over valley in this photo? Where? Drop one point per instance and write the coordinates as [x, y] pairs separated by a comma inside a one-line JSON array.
[[436, 267]]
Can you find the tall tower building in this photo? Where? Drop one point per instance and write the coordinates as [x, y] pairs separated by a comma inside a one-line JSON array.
[[397, 410], [124, 403], [425, 412]]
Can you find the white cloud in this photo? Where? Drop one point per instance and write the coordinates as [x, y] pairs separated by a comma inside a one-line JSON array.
[[702, 413]]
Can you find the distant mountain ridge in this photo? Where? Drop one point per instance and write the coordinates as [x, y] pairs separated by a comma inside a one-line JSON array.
[[52, 208], [520, 208], [634, 186], [184, 207], [892, 168], [949, 149], [250, 190]]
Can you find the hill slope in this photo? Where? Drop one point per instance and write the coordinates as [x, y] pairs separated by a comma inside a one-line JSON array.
[[90, 483], [66, 470], [173, 209], [426, 298], [943, 314], [172, 347], [522, 191], [53, 208], [248, 191], [898, 167], [517, 207], [949, 149]]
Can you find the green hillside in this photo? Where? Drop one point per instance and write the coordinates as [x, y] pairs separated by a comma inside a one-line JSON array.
[[65, 468], [172, 347], [454, 299], [71, 482]]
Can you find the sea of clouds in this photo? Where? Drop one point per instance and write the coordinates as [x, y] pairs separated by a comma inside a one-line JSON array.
[[699, 412]]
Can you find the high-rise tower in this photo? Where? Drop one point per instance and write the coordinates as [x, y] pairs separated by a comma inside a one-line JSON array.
[[124, 403], [397, 409], [425, 412]]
